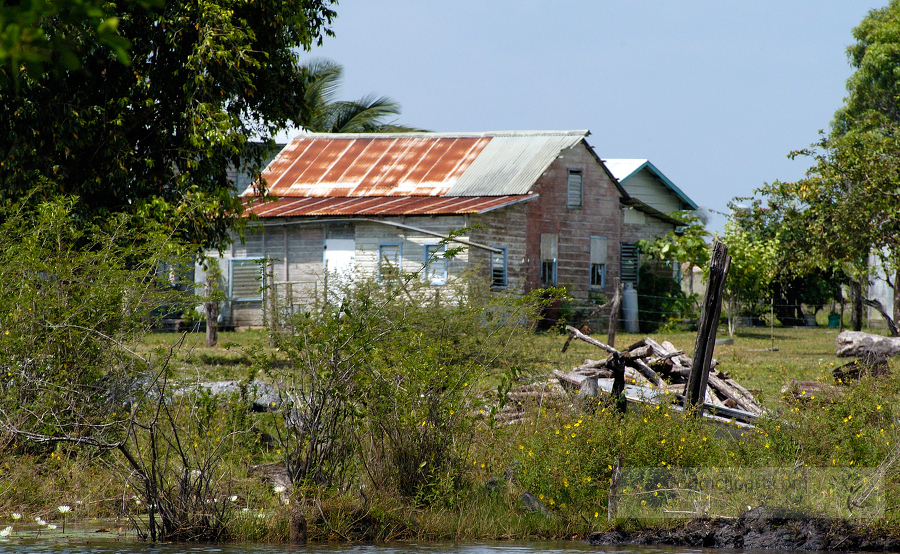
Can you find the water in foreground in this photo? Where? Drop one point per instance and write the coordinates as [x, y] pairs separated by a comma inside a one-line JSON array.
[[38, 546]]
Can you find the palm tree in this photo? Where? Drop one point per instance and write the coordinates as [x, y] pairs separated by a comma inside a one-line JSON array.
[[329, 115]]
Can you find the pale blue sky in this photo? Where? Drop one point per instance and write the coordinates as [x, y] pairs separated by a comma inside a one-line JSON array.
[[715, 93]]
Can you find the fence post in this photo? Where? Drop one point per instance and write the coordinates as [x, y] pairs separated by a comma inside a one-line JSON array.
[[614, 314], [695, 393]]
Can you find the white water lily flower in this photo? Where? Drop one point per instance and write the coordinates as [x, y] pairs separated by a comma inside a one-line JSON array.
[[51, 527], [64, 509], [16, 516], [40, 521], [6, 531]]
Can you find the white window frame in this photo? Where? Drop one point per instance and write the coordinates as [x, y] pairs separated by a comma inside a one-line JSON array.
[[436, 270], [599, 253], [549, 255]]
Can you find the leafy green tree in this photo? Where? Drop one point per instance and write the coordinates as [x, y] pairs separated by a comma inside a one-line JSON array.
[[687, 244], [799, 277], [752, 269], [29, 34], [874, 88], [872, 111], [844, 211], [846, 208], [150, 138], [327, 114]]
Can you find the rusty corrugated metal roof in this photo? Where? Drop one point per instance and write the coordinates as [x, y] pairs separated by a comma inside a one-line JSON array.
[[415, 164], [361, 165], [379, 205]]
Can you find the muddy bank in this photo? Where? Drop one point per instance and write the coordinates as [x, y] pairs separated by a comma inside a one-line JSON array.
[[760, 528]]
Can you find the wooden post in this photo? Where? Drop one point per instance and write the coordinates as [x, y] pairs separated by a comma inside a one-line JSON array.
[[297, 525], [325, 286], [695, 393], [772, 322], [614, 314], [617, 365], [613, 504]]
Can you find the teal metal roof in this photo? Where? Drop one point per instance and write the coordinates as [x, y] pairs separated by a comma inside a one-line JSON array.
[[623, 169]]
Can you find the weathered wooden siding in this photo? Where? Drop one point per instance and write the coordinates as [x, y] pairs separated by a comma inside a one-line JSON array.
[[296, 251], [505, 228], [652, 228], [369, 235], [600, 215], [648, 189]]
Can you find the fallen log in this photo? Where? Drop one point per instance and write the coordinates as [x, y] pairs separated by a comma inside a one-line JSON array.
[[737, 399], [871, 365], [807, 390], [581, 336], [858, 344], [644, 370]]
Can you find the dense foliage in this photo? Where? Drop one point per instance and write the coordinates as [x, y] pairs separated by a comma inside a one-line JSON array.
[[150, 137], [383, 382], [75, 301]]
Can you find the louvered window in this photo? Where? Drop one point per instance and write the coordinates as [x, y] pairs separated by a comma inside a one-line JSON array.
[[574, 189], [629, 262], [498, 269], [245, 279]]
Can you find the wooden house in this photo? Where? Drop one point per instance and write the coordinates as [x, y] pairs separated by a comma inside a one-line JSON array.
[[549, 212]]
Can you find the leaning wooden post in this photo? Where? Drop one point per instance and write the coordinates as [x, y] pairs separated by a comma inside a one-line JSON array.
[[614, 314], [695, 393]]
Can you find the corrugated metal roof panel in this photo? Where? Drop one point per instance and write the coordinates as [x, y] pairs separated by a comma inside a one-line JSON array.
[[415, 164], [511, 164], [370, 165], [379, 205]]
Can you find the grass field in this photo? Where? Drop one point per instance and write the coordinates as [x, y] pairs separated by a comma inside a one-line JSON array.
[[805, 354]]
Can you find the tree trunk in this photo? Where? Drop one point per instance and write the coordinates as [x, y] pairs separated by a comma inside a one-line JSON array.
[[856, 313], [212, 316], [896, 309], [861, 344]]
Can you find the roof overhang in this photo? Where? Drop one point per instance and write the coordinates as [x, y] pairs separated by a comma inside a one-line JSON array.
[[632, 202], [368, 206]]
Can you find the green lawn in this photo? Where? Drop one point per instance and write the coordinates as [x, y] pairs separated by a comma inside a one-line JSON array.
[[805, 354]]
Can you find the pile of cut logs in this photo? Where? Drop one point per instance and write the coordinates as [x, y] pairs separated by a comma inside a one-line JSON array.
[[651, 369], [665, 368]]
